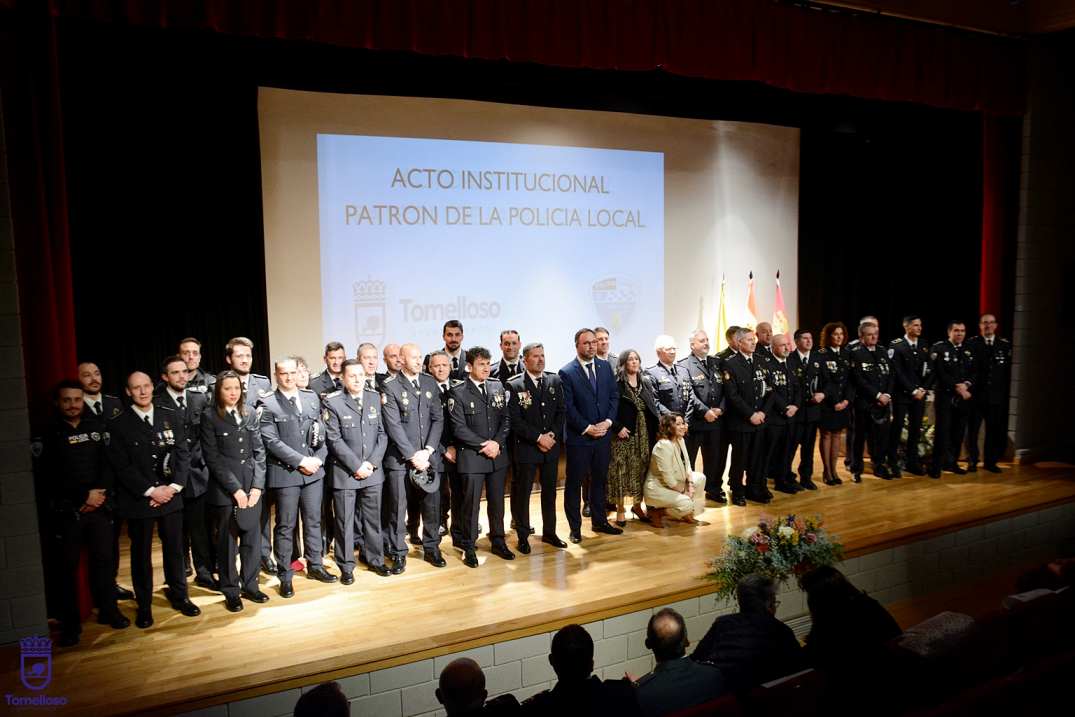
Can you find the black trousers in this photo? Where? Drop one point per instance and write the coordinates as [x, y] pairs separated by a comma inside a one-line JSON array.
[[592, 459], [708, 441], [521, 482], [394, 513], [198, 534], [425, 507], [995, 417], [365, 505], [289, 501], [911, 411], [117, 530], [471, 497], [73, 531], [849, 436], [804, 440], [268, 499], [951, 425], [869, 434], [775, 463], [723, 449], [170, 531], [447, 499], [237, 536], [747, 450]]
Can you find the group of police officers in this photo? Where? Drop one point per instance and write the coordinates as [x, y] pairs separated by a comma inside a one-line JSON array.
[[232, 470]]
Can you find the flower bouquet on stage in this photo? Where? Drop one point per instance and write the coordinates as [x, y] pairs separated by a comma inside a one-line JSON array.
[[777, 547]]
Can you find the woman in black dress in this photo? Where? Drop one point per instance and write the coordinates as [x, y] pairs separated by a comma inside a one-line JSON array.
[[835, 383], [633, 435]]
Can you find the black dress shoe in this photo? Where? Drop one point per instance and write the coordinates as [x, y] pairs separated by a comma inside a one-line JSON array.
[[117, 621], [144, 619], [501, 551], [123, 593], [233, 604], [759, 498], [435, 559], [856, 477], [347, 578], [319, 574], [68, 639], [993, 468], [381, 570], [585, 510], [187, 608], [915, 470], [808, 485], [739, 500], [785, 488], [621, 523], [442, 531], [415, 539], [607, 529], [207, 583], [553, 541], [258, 596], [286, 589], [897, 474], [399, 565], [935, 475], [524, 547], [972, 467], [957, 469], [268, 566], [469, 558], [716, 497], [575, 537], [836, 480]]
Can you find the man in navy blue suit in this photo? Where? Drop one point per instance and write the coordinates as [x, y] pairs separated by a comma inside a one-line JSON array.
[[591, 399]]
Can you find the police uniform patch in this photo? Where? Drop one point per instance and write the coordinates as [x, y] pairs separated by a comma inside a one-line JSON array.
[[384, 399], [727, 376], [891, 353], [259, 410], [324, 415], [451, 403]]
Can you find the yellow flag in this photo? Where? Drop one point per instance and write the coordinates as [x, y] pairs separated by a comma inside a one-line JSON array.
[[719, 342]]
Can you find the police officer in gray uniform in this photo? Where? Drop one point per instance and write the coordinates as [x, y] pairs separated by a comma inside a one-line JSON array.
[[331, 378], [672, 383], [294, 436], [414, 421], [481, 424], [703, 372], [357, 442]]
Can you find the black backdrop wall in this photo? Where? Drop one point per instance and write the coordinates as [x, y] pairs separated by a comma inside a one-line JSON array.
[[164, 180]]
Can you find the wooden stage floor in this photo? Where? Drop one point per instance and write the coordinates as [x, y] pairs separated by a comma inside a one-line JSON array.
[[330, 631]]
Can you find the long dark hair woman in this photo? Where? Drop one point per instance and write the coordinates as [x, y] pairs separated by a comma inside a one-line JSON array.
[[633, 435], [835, 383], [231, 443]]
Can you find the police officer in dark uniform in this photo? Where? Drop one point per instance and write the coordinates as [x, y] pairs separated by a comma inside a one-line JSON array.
[[72, 477], [704, 432], [331, 379], [955, 371], [537, 432], [453, 347], [993, 360], [725, 434], [197, 535], [871, 375], [232, 446], [294, 434], [357, 441], [911, 381], [480, 426], [764, 349], [239, 355], [451, 491], [413, 419], [747, 398], [149, 459], [198, 381], [806, 364], [786, 400]]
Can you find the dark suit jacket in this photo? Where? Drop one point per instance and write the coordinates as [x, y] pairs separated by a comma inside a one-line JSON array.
[[234, 453], [750, 649], [413, 419], [544, 412], [476, 420], [678, 684], [583, 406], [627, 414], [355, 433], [141, 457], [953, 365], [198, 480]]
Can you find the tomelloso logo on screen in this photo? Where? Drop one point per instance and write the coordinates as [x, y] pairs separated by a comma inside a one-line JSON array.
[[370, 316], [35, 671]]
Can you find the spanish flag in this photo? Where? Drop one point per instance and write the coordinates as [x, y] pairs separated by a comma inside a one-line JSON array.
[[719, 342], [752, 303], [780, 317]]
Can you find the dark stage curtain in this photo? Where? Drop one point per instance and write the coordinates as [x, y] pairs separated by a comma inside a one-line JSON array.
[[1001, 148]]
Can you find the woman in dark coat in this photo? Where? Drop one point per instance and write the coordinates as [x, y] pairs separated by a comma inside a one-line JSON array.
[[835, 409], [633, 434]]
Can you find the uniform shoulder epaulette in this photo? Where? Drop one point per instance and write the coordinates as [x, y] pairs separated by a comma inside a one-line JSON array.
[[452, 383], [1004, 341], [333, 394], [308, 390], [263, 393], [389, 379], [897, 341], [164, 408]]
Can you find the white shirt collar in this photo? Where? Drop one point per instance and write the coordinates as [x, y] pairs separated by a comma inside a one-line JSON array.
[[176, 395], [143, 414], [479, 385], [804, 357], [533, 377]]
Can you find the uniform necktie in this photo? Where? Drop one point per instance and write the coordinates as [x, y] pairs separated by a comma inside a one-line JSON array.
[[485, 396], [336, 384], [673, 371], [97, 408], [592, 376], [989, 342], [414, 382], [541, 385], [234, 417], [182, 403], [443, 389], [148, 422], [750, 362], [294, 403], [455, 363]]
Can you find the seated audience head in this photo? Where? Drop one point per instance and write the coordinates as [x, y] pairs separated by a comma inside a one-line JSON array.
[[325, 700], [671, 426], [571, 655], [833, 335], [756, 594], [827, 592], [666, 635], [461, 689]]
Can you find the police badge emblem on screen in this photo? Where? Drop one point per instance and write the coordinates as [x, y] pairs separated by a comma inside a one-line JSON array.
[[615, 299], [370, 311]]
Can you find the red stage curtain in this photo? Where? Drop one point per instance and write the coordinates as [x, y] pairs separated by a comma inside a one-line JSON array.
[[785, 46], [1001, 149]]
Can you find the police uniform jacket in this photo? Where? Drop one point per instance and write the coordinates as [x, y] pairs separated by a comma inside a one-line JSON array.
[[72, 462], [503, 372], [355, 431], [290, 436], [746, 391], [911, 368], [708, 384], [871, 374], [533, 413], [675, 392], [142, 457], [952, 365], [785, 391], [198, 478], [447, 437], [994, 369], [835, 376], [476, 420], [111, 407], [808, 374], [234, 453], [323, 383], [723, 356], [256, 385], [413, 419]]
